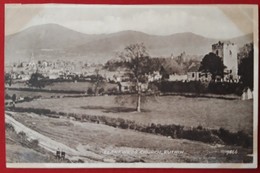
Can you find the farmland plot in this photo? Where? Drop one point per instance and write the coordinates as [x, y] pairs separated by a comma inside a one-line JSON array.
[[233, 115]]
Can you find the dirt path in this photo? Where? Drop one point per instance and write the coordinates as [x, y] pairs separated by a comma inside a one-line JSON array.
[[52, 145]]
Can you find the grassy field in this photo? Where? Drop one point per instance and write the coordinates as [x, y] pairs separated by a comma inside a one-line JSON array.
[[127, 145], [58, 86], [233, 115]]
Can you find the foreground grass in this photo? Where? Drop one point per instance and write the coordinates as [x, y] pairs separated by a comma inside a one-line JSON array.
[[129, 146], [20, 150]]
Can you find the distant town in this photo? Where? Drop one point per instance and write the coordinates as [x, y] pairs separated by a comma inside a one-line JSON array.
[[172, 68]]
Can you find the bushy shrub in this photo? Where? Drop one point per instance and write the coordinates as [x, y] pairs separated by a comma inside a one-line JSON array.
[[90, 91], [101, 90], [202, 135], [22, 136], [7, 96], [61, 113], [225, 88], [34, 143], [113, 90], [93, 119], [239, 138], [122, 123], [9, 127], [244, 139], [199, 87], [179, 86]]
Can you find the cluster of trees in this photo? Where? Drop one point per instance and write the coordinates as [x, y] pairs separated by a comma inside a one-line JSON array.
[[246, 66], [8, 79], [213, 64], [168, 65], [37, 80]]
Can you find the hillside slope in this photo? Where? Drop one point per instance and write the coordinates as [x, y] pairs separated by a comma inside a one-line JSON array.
[[52, 41]]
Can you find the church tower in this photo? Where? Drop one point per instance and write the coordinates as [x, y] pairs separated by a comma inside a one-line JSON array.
[[228, 52]]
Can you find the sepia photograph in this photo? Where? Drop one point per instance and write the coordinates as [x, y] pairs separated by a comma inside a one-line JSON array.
[[131, 86]]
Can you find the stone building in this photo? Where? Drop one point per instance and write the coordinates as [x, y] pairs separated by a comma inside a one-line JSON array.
[[228, 52], [194, 74]]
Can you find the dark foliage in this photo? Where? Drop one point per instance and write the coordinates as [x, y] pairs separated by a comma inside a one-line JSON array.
[[164, 73], [90, 91], [9, 127], [7, 97], [178, 86], [199, 87], [8, 79], [246, 70], [37, 80], [239, 138], [213, 64], [244, 51], [14, 97]]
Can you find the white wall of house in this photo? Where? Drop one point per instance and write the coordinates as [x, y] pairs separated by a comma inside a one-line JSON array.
[[175, 77]]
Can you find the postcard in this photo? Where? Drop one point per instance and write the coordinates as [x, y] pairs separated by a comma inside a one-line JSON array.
[[131, 86]]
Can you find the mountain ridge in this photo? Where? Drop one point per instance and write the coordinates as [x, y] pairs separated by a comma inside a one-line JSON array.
[[53, 41]]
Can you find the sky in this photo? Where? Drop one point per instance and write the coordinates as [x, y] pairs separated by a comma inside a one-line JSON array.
[[221, 22]]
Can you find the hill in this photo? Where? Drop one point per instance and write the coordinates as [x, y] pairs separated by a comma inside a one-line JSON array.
[[52, 41]]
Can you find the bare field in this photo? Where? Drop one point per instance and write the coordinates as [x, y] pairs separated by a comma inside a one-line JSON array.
[[233, 115], [126, 145]]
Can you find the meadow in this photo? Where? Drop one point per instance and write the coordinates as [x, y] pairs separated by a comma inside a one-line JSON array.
[[56, 89], [233, 115]]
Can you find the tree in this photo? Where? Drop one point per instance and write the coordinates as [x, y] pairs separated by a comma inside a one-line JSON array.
[[14, 97], [246, 70], [98, 82], [8, 79], [244, 51], [163, 72], [37, 80], [213, 64], [138, 65]]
